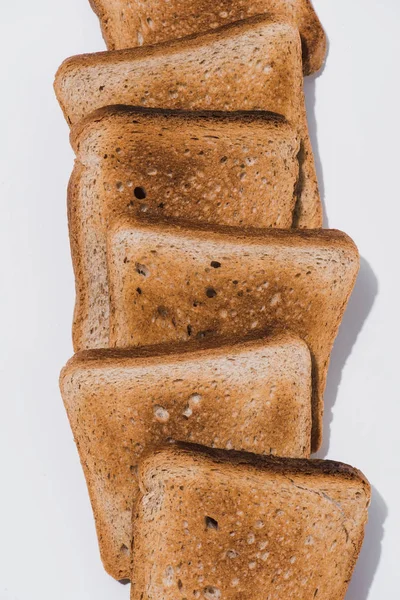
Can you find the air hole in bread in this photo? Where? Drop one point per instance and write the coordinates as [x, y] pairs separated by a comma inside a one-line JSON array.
[[195, 399], [212, 593], [189, 330], [161, 414], [187, 412], [142, 270], [207, 333], [215, 264], [168, 578], [223, 159], [180, 584], [211, 293], [139, 290], [140, 193], [309, 540], [124, 549], [211, 523], [259, 524]]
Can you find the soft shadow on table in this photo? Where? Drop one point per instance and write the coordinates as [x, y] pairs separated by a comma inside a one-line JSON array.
[[309, 91], [358, 309], [371, 551]]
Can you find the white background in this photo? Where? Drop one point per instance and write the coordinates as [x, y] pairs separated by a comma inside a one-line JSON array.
[[48, 548]]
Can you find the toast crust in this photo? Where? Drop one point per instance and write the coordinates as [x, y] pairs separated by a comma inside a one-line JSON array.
[[238, 169], [292, 280], [215, 70], [253, 395], [86, 82], [127, 25], [234, 525]]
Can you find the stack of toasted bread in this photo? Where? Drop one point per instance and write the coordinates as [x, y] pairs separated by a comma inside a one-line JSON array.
[[208, 299]]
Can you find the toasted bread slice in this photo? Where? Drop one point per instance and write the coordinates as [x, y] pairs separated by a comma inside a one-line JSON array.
[[233, 169], [134, 23], [171, 283], [253, 65], [226, 525], [254, 395]]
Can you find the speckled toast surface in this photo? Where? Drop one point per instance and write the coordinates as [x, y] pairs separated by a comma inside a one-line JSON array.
[[221, 525], [126, 24], [253, 395], [218, 168], [173, 283], [253, 65]]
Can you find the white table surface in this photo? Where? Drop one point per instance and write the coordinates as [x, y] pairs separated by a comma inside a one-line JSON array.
[[48, 547]]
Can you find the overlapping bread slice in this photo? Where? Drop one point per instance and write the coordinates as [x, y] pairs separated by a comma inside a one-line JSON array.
[[252, 65], [127, 24], [253, 395], [226, 525], [174, 283], [220, 168]]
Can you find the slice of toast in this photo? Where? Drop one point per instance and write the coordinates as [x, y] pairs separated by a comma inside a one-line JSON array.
[[252, 65], [253, 395], [226, 525], [129, 24], [173, 283], [234, 169]]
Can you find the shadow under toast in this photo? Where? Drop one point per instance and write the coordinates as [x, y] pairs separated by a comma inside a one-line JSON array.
[[368, 562]]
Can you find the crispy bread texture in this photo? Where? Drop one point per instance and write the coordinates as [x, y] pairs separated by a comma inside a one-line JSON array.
[[174, 283], [252, 65], [219, 168], [225, 525], [253, 395], [134, 23]]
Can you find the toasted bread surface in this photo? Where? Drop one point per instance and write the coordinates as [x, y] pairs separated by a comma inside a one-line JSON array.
[[216, 524], [173, 283], [253, 395], [243, 66], [238, 169], [130, 24], [251, 65]]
